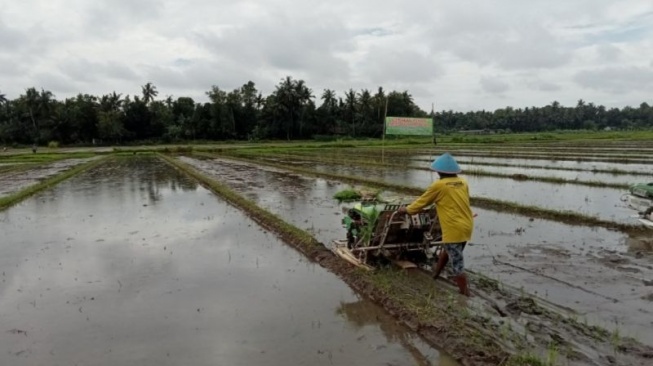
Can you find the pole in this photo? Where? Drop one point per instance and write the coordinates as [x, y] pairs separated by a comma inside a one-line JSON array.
[[433, 123], [385, 115], [433, 134]]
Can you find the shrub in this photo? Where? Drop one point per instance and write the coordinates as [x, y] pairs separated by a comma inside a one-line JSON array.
[[53, 144]]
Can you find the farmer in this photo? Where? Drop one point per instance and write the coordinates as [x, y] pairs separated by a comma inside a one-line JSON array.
[[451, 197]]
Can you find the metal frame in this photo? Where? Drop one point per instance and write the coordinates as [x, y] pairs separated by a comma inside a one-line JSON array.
[[360, 250]]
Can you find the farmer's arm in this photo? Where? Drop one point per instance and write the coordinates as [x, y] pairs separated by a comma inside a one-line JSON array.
[[425, 199]]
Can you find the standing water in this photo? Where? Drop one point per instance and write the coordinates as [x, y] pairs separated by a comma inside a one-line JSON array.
[[134, 263]]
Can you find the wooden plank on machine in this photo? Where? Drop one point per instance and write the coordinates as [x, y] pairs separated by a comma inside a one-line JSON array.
[[646, 222], [347, 255]]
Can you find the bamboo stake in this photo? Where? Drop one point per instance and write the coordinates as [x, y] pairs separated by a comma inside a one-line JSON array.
[[385, 115]]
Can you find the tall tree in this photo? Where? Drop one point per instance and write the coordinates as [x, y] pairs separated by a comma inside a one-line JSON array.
[[149, 92]]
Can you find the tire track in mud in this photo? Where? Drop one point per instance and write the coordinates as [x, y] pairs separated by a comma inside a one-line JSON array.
[[528, 324]]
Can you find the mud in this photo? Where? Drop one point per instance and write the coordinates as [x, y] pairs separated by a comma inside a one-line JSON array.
[[12, 182], [558, 264], [134, 263]]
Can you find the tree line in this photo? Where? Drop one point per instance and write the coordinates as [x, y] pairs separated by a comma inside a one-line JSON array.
[[292, 111]]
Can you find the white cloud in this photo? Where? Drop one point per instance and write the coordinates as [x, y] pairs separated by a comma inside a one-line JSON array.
[[617, 80], [494, 85], [462, 55]]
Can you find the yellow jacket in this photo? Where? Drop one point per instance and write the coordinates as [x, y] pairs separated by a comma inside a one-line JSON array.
[[451, 198]]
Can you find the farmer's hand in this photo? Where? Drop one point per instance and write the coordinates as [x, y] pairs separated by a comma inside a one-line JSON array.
[[402, 210]]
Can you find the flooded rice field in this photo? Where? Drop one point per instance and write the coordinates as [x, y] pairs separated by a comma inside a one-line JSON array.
[[557, 153], [604, 203], [578, 162], [572, 175], [133, 263], [551, 163], [602, 275], [14, 181]]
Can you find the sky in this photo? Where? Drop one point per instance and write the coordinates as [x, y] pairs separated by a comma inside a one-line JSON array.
[[457, 54]]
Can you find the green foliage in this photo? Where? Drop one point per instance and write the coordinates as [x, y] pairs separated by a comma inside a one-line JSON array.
[[368, 229], [293, 111], [526, 359], [53, 144], [347, 195], [178, 150]]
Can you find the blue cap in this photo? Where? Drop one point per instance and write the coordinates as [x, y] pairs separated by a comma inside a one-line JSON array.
[[445, 163]]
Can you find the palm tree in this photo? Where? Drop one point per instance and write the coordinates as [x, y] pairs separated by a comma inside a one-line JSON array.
[[38, 104], [329, 100], [260, 101], [304, 96], [366, 110], [149, 92], [381, 102], [351, 102], [111, 102], [5, 101]]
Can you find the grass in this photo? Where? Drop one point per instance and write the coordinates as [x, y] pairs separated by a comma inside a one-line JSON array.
[[352, 194], [567, 217], [347, 195], [525, 359], [14, 198], [42, 157]]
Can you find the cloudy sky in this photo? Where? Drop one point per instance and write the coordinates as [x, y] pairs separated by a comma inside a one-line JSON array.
[[458, 54]]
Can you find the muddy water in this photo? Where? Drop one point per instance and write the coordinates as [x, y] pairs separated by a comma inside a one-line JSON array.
[[417, 158], [532, 173], [13, 182], [133, 263], [581, 165], [556, 153], [604, 203], [595, 272]]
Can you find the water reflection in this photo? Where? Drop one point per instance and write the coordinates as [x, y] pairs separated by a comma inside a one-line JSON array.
[[134, 263], [569, 261], [363, 314], [600, 202]]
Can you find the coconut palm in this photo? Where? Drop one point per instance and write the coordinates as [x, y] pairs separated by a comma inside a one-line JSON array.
[[149, 92]]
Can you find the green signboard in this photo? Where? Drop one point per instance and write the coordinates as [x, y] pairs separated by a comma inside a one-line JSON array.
[[408, 126]]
